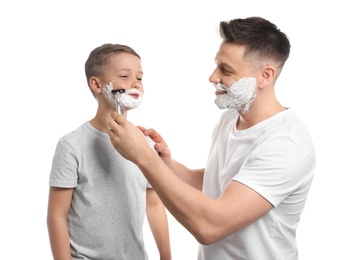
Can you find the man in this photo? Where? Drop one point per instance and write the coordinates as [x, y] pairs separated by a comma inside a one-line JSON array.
[[247, 202]]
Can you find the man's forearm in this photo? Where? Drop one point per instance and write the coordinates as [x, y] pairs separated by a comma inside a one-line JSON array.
[[193, 177], [184, 202]]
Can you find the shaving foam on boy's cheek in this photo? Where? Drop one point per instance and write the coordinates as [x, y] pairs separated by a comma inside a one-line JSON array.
[[239, 96], [109, 95], [127, 100]]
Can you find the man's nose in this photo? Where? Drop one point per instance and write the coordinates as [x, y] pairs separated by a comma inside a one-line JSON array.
[[214, 78]]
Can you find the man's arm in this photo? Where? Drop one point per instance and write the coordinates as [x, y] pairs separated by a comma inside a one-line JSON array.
[[58, 207], [192, 177], [157, 219], [208, 220]]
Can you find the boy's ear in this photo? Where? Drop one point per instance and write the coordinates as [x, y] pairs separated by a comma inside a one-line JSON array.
[[95, 85]]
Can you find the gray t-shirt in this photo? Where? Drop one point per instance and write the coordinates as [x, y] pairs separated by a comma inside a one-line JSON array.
[[106, 217]]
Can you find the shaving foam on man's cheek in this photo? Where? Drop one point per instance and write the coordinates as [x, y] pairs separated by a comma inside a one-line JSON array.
[[239, 96], [222, 101]]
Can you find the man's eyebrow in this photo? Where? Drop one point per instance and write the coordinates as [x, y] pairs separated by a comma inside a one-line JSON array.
[[224, 64]]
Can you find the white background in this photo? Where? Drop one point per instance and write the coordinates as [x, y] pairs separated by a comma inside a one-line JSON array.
[[44, 45]]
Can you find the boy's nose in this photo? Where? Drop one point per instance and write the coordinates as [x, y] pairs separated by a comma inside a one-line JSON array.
[[136, 85]]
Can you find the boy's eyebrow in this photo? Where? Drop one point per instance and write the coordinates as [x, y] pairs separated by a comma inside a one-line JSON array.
[[125, 69]]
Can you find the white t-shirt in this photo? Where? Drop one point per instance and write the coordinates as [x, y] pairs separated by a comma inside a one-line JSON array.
[[107, 212], [275, 158]]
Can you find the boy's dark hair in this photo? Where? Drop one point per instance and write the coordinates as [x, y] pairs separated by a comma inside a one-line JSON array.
[[99, 58], [261, 38]]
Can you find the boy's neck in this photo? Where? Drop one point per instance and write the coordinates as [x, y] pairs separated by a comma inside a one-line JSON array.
[[101, 120]]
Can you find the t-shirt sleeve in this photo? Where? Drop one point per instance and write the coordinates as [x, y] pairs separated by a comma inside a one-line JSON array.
[[64, 169], [277, 168]]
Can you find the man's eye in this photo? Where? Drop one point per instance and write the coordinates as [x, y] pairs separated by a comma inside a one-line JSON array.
[[124, 76], [140, 79], [225, 71]]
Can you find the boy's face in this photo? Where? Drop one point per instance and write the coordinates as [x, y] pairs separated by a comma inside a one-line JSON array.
[[125, 71]]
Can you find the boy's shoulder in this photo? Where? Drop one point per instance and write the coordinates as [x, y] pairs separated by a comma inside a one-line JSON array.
[[76, 132]]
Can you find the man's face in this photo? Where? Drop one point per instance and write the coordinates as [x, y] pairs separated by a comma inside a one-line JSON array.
[[230, 65], [235, 82]]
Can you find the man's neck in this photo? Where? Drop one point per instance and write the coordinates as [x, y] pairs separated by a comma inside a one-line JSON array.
[[256, 115]]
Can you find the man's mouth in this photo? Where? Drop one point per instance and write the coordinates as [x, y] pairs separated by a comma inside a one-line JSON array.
[[220, 92]]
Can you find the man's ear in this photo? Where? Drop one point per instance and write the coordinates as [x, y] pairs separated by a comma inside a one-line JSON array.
[[95, 85], [267, 76]]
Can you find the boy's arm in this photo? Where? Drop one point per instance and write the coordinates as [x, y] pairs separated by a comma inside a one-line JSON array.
[[157, 219], [58, 208]]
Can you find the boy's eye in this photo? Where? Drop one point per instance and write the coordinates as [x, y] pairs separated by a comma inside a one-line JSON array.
[[140, 79]]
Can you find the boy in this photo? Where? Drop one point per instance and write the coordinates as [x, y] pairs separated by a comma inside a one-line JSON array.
[[97, 199]]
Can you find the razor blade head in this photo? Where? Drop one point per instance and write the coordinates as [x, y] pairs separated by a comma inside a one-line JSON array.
[[114, 91]]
